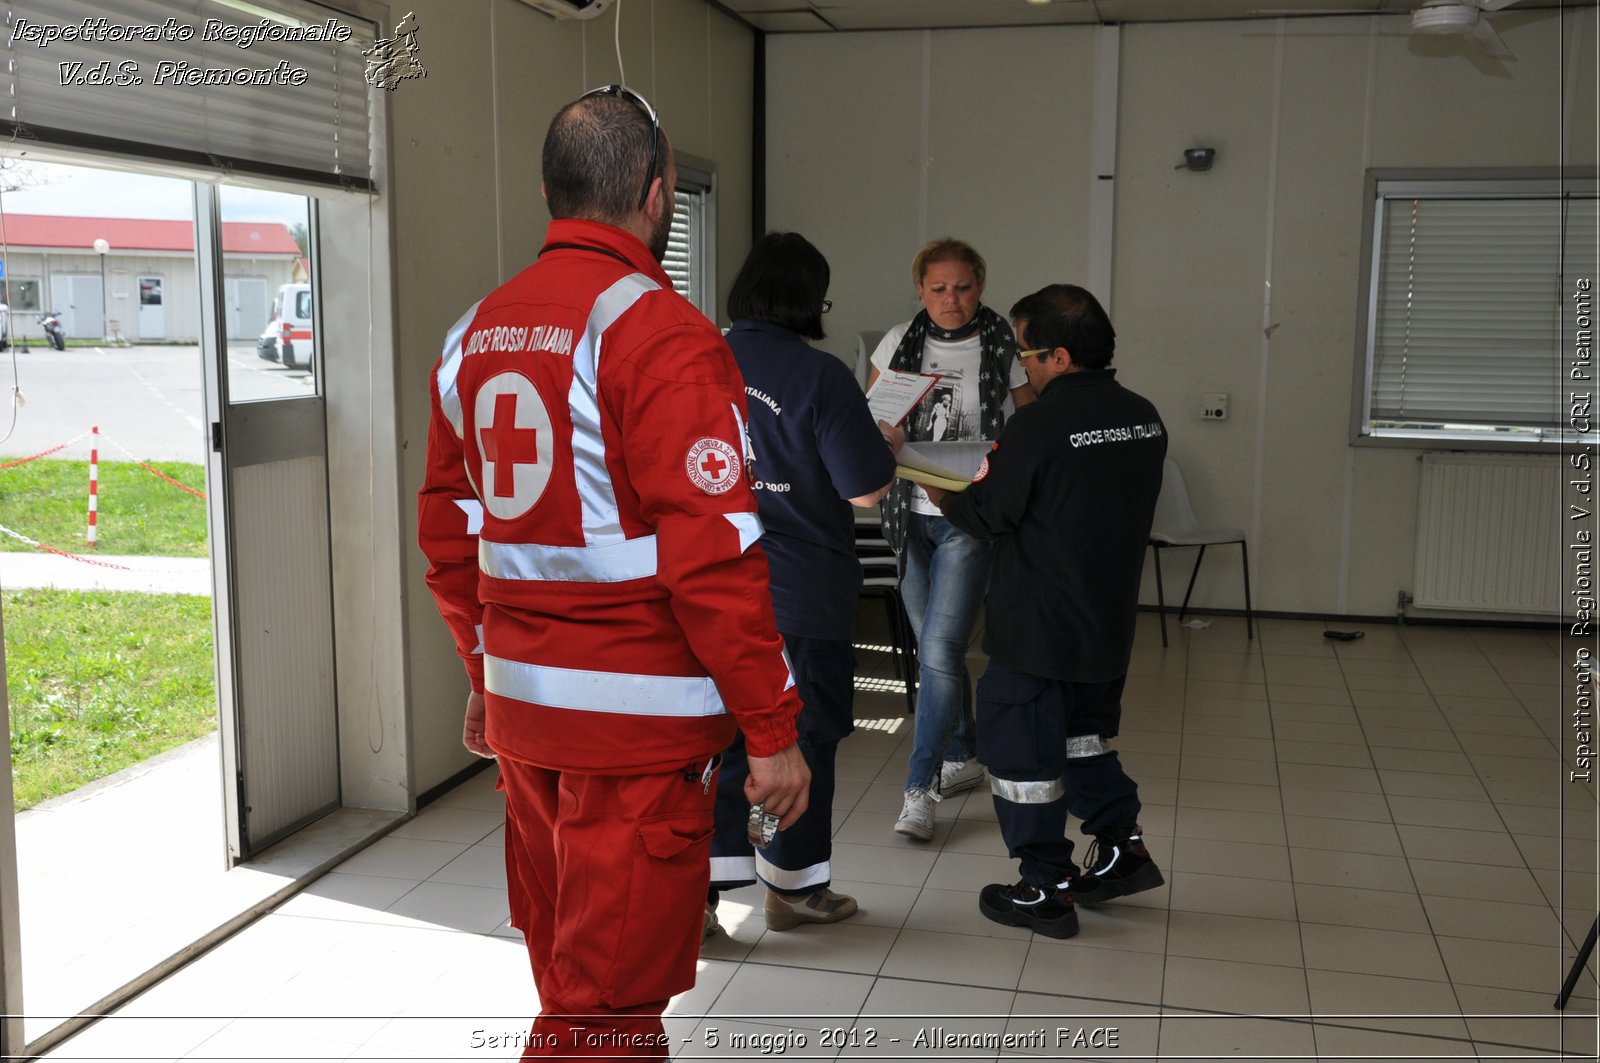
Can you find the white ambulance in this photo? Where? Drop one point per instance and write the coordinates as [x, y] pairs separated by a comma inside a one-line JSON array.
[[287, 337]]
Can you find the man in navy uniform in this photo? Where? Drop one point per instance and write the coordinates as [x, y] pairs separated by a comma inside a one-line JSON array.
[[1067, 496]]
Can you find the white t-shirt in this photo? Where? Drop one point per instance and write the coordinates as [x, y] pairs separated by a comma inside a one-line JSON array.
[[952, 410]]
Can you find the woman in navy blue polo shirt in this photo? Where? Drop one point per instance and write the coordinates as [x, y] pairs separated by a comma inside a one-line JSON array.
[[817, 452]]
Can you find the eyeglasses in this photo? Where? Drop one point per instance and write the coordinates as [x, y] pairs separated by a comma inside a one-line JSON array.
[[655, 129], [827, 304], [1038, 352]]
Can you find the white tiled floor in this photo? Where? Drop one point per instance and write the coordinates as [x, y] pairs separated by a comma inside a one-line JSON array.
[[1371, 849]]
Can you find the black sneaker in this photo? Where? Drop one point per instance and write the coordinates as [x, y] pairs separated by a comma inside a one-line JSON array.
[[1115, 865], [1044, 911]]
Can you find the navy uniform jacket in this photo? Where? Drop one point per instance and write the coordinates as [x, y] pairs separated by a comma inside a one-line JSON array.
[[1067, 497]]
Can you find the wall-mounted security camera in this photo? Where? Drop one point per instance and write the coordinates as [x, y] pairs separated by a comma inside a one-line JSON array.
[[1197, 159]]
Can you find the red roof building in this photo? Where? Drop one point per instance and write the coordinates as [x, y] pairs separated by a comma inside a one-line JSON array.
[[144, 287], [60, 233]]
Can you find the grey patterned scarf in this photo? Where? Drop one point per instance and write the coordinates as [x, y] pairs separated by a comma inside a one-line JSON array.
[[997, 349]]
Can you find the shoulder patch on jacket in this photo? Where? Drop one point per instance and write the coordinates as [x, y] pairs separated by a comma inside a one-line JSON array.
[[713, 465]]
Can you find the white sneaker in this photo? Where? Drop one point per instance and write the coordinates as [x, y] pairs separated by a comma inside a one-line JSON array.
[[958, 775], [916, 816]]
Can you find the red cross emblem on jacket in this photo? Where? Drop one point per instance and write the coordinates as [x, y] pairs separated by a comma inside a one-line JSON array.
[[713, 465], [514, 444]]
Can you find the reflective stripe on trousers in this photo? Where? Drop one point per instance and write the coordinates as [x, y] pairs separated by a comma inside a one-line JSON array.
[[1040, 792]]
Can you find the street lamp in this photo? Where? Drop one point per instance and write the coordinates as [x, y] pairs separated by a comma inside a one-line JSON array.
[[101, 247]]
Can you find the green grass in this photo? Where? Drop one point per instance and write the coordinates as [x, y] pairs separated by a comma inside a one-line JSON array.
[[99, 681], [138, 513]]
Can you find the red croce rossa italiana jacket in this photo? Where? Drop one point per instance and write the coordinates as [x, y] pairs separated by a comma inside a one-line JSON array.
[[589, 521]]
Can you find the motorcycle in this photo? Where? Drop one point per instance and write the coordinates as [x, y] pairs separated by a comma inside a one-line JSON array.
[[53, 330]]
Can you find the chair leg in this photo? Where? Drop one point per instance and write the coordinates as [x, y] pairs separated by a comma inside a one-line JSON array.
[[908, 639], [1244, 555], [1184, 608], [905, 658], [1576, 971], [896, 649], [1161, 596]]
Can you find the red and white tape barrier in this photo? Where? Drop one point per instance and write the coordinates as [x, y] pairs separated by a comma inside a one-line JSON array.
[[93, 503], [91, 532], [151, 469], [43, 453], [36, 544]]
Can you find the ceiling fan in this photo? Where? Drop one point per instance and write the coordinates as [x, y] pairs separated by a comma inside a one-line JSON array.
[[1438, 18], [1464, 17]]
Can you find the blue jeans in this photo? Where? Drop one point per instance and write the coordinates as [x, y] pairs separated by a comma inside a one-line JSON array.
[[944, 575]]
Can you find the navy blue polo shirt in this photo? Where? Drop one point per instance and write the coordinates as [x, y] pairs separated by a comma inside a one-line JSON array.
[[815, 446]]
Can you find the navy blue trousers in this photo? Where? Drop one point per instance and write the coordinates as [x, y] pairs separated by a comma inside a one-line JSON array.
[[1038, 739], [798, 860]]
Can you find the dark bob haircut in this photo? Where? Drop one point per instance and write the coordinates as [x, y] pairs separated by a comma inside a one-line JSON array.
[[782, 282], [1065, 315]]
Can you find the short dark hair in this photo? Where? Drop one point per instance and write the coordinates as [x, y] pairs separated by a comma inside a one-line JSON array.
[[783, 281], [595, 155], [1065, 315]]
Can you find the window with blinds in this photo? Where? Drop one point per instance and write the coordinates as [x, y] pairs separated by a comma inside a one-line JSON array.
[[681, 245], [689, 261], [1470, 318], [268, 87]]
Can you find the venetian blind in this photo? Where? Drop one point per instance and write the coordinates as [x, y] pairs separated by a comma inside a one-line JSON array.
[[169, 80], [1472, 296], [683, 246]]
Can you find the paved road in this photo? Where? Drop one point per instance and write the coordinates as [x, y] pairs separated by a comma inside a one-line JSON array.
[[153, 575], [148, 399]]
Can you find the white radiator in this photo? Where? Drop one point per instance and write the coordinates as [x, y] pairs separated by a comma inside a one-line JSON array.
[[1490, 533]]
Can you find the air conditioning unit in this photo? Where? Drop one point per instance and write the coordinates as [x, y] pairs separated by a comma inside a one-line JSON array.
[[570, 8]]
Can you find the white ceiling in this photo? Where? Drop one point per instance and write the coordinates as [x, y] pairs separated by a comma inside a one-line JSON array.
[[821, 16]]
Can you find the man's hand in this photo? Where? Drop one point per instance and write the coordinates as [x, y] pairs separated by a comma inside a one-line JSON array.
[[893, 435], [782, 782], [936, 495], [472, 730]]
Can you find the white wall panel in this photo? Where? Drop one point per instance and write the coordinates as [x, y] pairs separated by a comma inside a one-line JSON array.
[[284, 633]]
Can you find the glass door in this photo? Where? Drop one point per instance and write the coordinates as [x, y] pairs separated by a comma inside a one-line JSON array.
[[268, 455]]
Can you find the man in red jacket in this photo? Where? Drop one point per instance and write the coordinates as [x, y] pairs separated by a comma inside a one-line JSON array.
[[591, 530]]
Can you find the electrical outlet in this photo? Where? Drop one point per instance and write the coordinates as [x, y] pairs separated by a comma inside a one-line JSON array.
[[1214, 406]]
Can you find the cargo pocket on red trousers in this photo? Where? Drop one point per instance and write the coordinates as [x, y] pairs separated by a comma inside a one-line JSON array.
[[661, 931]]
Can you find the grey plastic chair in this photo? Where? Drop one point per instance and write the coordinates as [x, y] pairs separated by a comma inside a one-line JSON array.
[[1175, 525], [866, 343]]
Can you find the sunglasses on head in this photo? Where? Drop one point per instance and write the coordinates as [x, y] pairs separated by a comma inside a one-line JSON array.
[[655, 128]]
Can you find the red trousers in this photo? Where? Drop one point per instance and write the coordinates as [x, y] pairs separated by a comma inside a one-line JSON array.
[[607, 877]]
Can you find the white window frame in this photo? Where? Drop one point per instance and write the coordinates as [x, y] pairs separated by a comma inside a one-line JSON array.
[[1422, 430], [691, 249]]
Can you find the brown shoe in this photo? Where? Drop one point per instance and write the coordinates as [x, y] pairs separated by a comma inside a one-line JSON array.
[[818, 906]]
